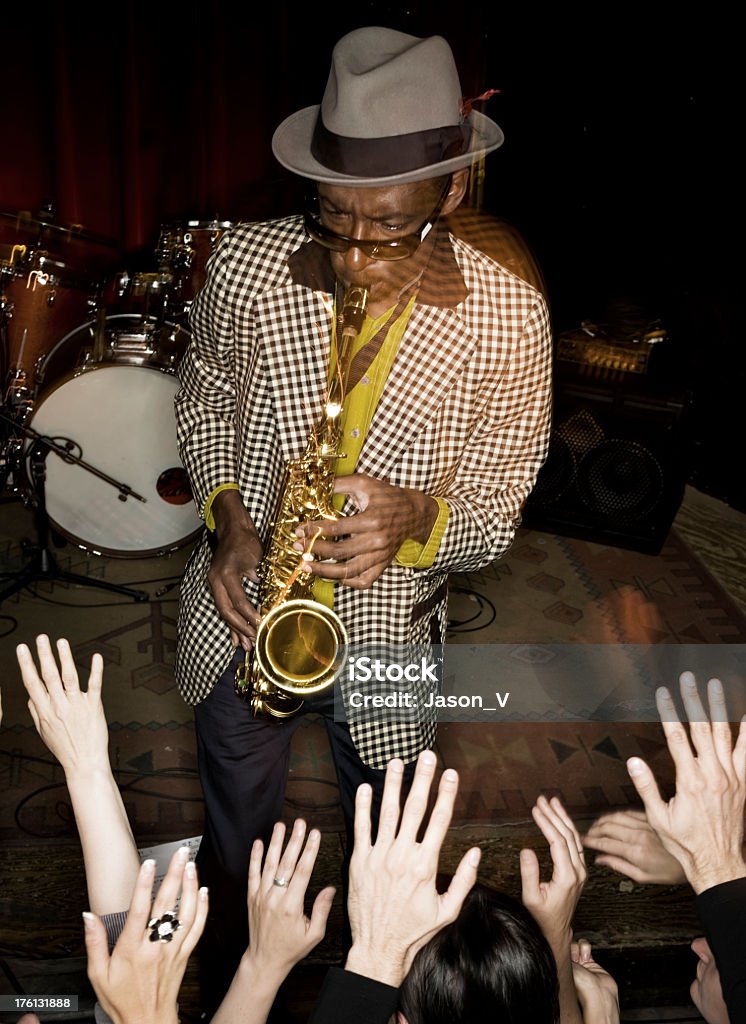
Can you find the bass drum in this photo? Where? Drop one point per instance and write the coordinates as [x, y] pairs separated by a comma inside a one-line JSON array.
[[118, 417]]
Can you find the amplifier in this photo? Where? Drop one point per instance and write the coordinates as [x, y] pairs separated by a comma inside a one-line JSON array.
[[617, 466], [592, 351]]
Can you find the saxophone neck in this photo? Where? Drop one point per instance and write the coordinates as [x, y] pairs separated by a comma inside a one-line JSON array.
[[354, 305], [349, 324]]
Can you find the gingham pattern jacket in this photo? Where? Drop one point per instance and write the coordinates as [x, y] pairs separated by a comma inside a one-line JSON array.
[[464, 415]]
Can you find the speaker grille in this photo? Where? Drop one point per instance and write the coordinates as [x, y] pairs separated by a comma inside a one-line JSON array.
[[620, 479]]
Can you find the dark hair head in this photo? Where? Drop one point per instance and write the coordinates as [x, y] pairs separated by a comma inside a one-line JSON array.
[[491, 966]]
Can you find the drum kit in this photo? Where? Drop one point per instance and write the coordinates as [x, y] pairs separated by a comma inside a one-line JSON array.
[[89, 363]]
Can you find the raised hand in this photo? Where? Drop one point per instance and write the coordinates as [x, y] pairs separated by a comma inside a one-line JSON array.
[[139, 982], [597, 990], [553, 903], [280, 933], [394, 906], [73, 725], [626, 843], [70, 721], [702, 825]]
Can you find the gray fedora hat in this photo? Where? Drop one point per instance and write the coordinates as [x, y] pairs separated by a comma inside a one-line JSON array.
[[391, 113]]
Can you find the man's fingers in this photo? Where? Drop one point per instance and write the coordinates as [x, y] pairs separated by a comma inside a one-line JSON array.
[[234, 607]]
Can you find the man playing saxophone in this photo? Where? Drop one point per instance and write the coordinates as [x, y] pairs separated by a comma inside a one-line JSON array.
[[445, 423]]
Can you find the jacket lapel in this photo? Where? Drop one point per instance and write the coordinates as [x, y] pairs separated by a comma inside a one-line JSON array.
[[435, 346], [295, 326]]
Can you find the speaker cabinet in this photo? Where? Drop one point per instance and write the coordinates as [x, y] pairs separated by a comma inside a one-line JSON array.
[[617, 466]]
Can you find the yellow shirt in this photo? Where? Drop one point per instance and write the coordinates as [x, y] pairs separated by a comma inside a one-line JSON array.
[[356, 417], [357, 414]]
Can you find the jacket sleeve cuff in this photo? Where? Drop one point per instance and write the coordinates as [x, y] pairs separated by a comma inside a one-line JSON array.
[[414, 555], [207, 509], [347, 996]]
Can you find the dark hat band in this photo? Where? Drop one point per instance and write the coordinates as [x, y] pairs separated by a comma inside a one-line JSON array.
[[383, 157]]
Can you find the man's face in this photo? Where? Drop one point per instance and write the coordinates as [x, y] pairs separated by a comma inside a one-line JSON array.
[[378, 214], [706, 991]]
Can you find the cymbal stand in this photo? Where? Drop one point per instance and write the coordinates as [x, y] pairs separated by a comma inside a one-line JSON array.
[[42, 564]]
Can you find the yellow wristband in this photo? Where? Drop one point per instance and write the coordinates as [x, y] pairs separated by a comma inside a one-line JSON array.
[[207, 510], [415, 555]]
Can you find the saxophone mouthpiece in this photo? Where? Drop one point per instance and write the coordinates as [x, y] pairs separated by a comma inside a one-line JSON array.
[[353, 309]]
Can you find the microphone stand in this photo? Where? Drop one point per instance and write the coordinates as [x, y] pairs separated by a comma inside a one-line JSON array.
[[43, 565]]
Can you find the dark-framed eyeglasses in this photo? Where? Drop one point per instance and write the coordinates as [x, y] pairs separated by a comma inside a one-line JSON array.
[[378, 248]]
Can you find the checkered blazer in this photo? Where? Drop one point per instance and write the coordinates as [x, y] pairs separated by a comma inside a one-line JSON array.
[[464, 415]]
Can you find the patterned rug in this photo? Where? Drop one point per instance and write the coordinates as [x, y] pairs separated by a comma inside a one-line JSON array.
[[547, 590]]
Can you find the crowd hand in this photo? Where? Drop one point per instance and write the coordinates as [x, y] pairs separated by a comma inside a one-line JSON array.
[[280, 934], [552, 904], [139, 982], [627, 844], [28, 1018], [393, 904], [357, 549], [70, 721], [596, 989], [702, 825], [237, 556]]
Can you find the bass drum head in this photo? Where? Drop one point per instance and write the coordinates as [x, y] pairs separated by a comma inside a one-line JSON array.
[[120, 420]]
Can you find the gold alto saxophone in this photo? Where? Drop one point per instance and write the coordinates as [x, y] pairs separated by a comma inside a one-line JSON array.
[[301, 644]]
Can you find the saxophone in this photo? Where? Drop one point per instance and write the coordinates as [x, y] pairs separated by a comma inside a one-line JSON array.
[[301, 644]]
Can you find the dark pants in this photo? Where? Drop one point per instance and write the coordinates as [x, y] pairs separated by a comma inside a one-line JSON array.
[[243, 767]]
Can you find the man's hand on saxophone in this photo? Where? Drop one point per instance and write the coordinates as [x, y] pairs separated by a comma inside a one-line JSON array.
[[237, 556], [362, 546]]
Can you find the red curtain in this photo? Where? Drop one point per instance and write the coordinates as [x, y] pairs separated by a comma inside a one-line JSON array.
[[150, 113]]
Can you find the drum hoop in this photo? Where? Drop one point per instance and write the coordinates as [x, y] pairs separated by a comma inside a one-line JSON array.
[[112, 553], [77, 371], [81, 371]]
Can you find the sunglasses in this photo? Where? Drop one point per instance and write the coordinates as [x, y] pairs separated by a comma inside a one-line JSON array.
[[374, 249]]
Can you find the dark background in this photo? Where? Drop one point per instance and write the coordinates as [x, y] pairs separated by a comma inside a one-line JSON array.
[[619, 165]]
